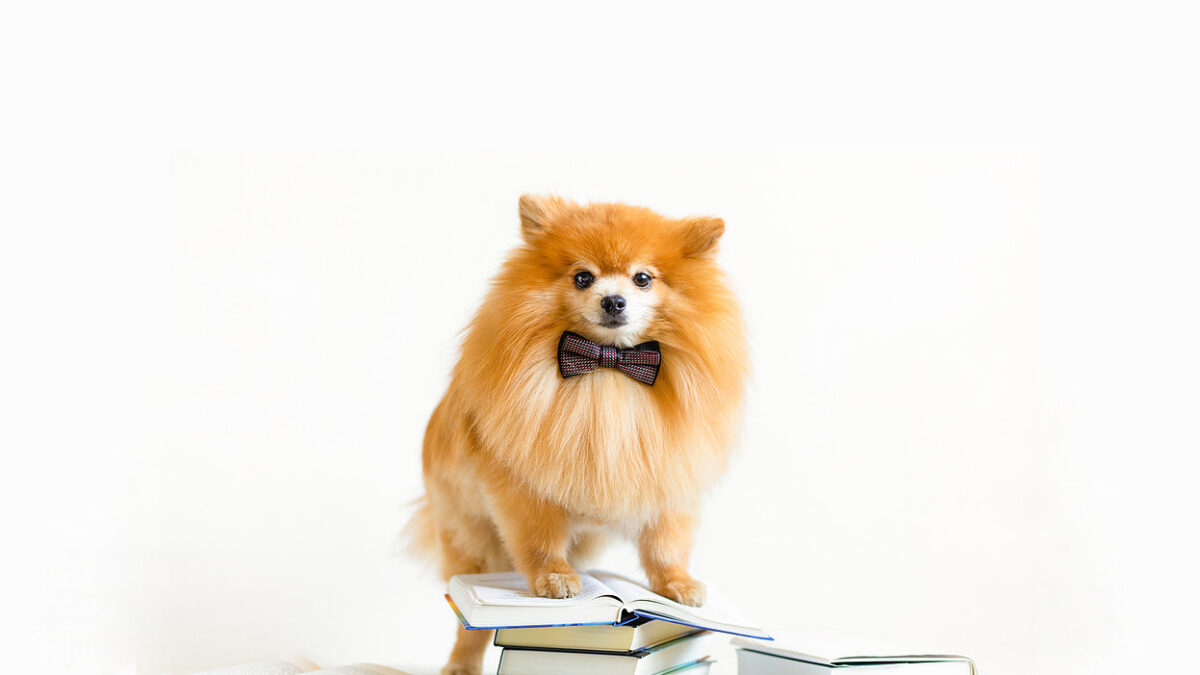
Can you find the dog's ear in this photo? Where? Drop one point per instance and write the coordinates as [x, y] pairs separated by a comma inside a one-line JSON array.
[[700, 236], [538, 214]]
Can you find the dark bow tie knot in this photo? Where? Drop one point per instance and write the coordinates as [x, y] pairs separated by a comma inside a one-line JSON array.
[[578, 355], [608, 356]]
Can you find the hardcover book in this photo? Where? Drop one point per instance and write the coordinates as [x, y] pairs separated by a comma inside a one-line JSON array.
[[669, 657], [758, 658], [632, 636]]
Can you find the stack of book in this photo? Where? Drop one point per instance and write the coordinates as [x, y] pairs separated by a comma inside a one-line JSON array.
[[614, 626]]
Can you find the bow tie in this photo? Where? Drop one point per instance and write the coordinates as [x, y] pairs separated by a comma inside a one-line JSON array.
[[578, 355]]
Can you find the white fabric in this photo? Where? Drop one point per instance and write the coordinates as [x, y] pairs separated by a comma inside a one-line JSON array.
[[278, 666], [360, 669]]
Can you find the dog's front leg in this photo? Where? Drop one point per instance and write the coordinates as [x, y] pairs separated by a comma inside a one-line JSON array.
[[537, 536], [665, 544]]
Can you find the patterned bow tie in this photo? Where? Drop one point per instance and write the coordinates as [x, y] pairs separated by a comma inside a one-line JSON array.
[[578, 355]]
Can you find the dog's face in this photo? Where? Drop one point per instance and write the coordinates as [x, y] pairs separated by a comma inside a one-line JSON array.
[[617, 304], [614, 272]]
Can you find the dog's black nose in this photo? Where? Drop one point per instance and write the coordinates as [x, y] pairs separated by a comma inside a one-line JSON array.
[[613, 304]]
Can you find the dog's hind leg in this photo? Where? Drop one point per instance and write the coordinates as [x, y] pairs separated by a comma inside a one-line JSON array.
[[486, 555]]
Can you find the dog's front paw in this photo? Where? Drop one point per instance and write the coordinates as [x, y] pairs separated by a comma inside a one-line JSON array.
[[684, 590], [556, 584], [462, 669]]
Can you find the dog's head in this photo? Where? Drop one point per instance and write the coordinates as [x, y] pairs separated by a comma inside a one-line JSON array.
[[613, 273]]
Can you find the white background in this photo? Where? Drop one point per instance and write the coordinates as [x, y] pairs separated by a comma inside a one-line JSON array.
[[963, 238]]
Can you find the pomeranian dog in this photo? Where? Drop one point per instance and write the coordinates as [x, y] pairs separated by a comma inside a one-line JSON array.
[[598, 391]]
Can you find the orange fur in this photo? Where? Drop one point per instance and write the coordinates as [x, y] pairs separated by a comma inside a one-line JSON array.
[[524, 469]]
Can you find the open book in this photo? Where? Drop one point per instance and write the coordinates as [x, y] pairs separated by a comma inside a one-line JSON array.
[[504, 601], [295, 665]]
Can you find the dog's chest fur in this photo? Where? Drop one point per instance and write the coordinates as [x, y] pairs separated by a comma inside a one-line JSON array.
[[602, 445]]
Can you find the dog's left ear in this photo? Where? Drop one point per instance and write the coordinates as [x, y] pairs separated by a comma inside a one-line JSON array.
[[700, 236]]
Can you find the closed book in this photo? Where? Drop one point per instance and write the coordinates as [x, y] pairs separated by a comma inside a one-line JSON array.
[[758, 658], [667, 657], [631, 636]]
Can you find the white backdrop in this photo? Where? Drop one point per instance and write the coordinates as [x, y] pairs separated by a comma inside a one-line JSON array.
[[977, 432], [894, 478]]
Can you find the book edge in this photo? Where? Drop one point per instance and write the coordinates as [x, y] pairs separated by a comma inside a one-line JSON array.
[[649, 615], [496, 641]]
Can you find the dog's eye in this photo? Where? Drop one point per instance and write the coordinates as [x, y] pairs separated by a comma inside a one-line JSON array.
[[584, 279], [641, 280]]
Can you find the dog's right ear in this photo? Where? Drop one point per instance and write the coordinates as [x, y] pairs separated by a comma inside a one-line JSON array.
[[538, 213]]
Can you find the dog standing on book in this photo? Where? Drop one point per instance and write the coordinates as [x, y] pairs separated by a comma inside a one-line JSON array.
[[598, 390]]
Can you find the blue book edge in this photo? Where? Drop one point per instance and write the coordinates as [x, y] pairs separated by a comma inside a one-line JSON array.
[[463, 620], [656, 617]]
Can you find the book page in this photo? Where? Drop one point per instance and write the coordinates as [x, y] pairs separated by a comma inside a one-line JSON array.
[[625, 588], [510, 590], [716, 613]]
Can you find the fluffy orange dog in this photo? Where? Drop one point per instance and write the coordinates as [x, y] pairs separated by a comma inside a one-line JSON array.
[[527, 468]]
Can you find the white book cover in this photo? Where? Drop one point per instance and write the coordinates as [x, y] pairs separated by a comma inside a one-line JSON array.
[[834, 649]]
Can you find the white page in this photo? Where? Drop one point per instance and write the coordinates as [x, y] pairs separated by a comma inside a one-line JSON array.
[[716, 609], [510, 590]]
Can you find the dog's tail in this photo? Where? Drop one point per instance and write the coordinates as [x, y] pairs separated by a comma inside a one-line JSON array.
[[420, 535]]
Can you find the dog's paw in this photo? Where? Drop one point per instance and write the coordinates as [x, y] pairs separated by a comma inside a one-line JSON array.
[[556, 585], [462, 669], [684, 590]]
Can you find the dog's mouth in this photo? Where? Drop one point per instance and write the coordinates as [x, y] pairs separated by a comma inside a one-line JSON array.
[[613, 323]]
